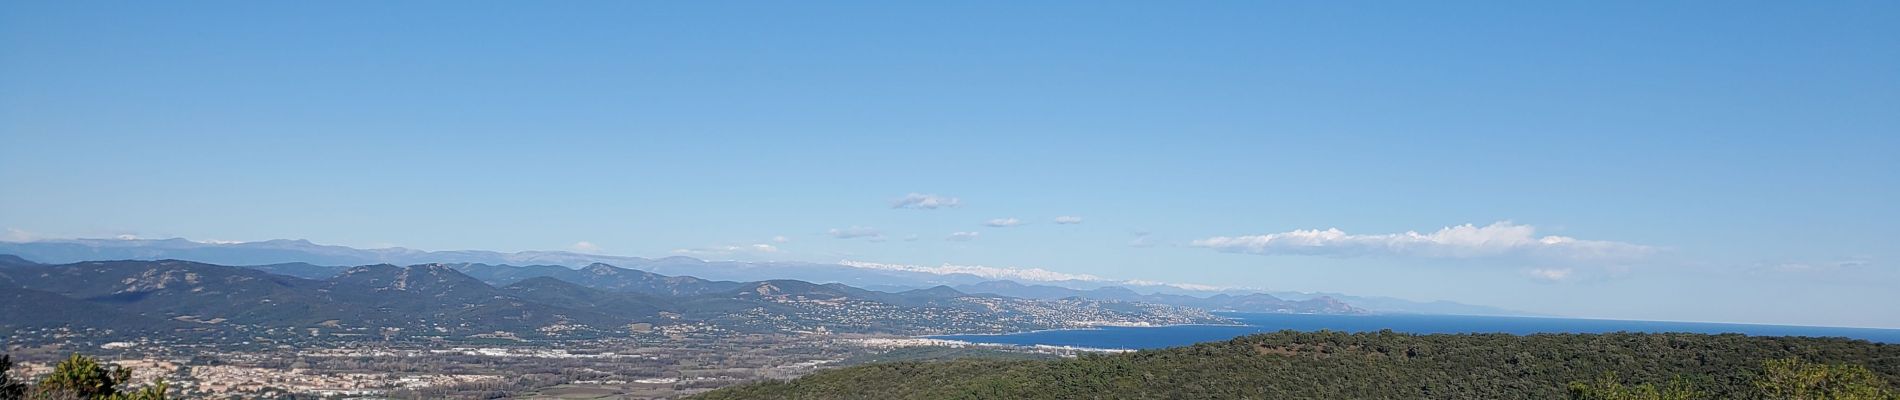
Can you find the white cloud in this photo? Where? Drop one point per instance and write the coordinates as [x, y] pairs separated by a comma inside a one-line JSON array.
[[584, 247], [1185, 286], [1068, 220], [16, 235], [925, 201], [127, 236], [730, 249], [1464, 241], [781, 239], [1033, 274], [1024, 274], [1002, 222], [1818, 267], [1552, 274], [856, 232], [963, 236], [1799, 267], [1142, 239]]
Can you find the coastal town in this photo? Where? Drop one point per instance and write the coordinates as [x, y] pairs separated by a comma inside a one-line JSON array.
[[620, 368]]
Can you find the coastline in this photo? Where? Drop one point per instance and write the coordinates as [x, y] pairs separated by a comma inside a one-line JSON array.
[[1091, 328], [1029, 347]]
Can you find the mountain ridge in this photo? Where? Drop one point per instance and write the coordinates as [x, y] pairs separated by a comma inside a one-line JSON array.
[[305, 259], [439, 300]]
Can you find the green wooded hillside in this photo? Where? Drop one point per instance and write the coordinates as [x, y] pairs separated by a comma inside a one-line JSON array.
[[1335, 365]]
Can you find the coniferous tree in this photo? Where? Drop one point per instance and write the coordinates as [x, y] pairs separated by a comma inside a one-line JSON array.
[[9, 388], [84, 378], [1795, 379], [1607, 387]]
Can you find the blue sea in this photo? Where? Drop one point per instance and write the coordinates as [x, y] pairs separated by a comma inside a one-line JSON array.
[[1181, 335]]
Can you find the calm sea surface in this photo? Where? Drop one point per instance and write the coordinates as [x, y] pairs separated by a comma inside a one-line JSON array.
[[1170, 336]]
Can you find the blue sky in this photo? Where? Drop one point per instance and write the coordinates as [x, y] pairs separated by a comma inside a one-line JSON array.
[[1709, 161]]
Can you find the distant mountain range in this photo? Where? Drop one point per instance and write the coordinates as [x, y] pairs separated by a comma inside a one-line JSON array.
[[1389, 305], [308, 260], [440, 300], [1253, 302], [302, 251]]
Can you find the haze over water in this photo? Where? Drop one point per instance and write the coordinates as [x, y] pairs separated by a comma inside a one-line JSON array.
[[1181, 335]]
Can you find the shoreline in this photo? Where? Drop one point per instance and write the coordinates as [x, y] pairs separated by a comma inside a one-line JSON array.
[[1030, 347], [1091, 328]]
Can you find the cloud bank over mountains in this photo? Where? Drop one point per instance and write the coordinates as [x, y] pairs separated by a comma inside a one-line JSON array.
[[727, 250], [1499, 239], [1034, 274], [1026, 274], [856, 273], [286, 251]]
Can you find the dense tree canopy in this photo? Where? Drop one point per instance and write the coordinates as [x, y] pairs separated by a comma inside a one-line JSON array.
[[1380, 365]]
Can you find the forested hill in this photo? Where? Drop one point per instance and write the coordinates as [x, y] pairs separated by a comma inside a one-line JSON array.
[[1382, 365]]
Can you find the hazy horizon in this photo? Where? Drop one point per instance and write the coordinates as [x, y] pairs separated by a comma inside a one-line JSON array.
[[1022, 276], [1679, 162]]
